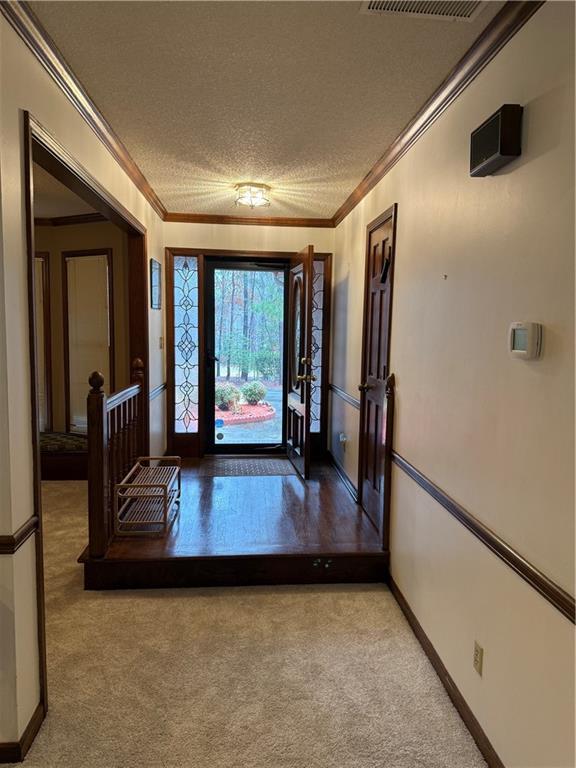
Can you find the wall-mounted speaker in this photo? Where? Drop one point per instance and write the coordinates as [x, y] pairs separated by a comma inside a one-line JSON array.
[[497, 141]]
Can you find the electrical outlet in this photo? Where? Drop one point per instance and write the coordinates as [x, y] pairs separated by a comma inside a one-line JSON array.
[[478, 659]]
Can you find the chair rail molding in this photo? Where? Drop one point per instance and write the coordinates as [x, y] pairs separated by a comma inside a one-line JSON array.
[[11, 543], [549, 590], [343, 395]]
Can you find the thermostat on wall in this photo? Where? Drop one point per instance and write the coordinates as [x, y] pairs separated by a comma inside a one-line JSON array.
[[525, 340]]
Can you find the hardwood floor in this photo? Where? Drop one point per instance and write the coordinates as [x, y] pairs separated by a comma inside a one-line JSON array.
[[251, 530]]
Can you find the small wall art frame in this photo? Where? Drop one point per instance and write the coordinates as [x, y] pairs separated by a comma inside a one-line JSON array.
[[155, 284]]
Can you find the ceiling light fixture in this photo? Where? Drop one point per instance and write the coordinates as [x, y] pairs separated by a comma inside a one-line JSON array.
[[253, 195]]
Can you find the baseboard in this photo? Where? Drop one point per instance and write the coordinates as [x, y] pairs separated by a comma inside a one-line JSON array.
[[343, 476], [470, 721], [15, 751]]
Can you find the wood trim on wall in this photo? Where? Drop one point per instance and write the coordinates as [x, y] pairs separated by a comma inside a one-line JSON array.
[[260, 221], [54, 158], [229, 254], [499, 31], [65, 221], [470, 721], [28, 161], [551, 591], [343, 395], [15, 751], [157, 391], [44, 257], [11, 543]]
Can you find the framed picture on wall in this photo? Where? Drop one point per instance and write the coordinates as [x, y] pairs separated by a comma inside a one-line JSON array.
[[155, 284]]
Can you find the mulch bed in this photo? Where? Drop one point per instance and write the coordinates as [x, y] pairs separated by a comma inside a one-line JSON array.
[[246, 414]]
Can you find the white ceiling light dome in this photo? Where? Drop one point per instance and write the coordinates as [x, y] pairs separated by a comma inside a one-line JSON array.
[[253, 195]]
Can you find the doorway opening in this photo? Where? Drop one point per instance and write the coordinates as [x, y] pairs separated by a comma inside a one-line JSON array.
[[242, 376], [246, 340], [65, 207]]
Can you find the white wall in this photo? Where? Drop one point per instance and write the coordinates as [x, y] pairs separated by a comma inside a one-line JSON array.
[[25, 85], [247, 238], [494, 433]]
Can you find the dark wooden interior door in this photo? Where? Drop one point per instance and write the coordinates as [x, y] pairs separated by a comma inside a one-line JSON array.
[[375, 362], [300, 375]]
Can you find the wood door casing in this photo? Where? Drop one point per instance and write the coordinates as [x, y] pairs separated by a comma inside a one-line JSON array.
[[374, 424], [299, 361], [43, 330]]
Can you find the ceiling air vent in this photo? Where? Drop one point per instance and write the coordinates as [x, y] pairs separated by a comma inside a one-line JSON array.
[[449, 10]]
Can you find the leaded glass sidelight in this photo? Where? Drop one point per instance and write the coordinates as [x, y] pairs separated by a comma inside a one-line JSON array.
[[186, 344], [317, 333]]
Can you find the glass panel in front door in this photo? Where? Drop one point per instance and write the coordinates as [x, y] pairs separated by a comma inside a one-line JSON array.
[[248, 351]]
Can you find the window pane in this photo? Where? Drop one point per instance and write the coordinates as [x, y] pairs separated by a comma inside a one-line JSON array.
[[317, 329], [186, 344]]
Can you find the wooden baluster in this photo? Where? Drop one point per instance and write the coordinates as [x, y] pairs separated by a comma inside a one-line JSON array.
[[118, 440], [125, 442], [138, 378], [133, 435], [98, 492], [111, 479]]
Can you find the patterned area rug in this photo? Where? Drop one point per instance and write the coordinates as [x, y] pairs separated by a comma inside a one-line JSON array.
[[68, 442], [229, 466]]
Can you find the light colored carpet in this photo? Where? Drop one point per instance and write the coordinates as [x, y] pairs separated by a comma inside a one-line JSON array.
[[291, 677]]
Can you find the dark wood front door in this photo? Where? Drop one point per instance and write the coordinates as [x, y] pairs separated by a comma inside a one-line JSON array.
[[374, 434], [300, 375]]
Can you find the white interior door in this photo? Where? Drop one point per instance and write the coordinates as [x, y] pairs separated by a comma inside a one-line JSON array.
[[41, 362], [88, 330]]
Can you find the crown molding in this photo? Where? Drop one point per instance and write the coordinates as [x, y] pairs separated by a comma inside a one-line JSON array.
[[65, 221], [262, 221], [26, 24], [499, 31]]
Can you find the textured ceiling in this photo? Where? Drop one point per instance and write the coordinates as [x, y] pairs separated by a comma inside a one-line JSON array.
[[303, 96], [52, 199]]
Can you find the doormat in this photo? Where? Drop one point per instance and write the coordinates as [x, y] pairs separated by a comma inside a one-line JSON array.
[[227, 466]]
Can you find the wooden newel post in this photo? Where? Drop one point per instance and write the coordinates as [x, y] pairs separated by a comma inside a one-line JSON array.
[[98, 491], [137, 371], [138, 378]]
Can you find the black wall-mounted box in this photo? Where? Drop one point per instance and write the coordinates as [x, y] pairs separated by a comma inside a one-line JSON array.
[[497, 141]]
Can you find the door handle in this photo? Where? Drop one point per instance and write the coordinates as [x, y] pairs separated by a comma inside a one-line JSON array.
[[364, 387], [309, 379]]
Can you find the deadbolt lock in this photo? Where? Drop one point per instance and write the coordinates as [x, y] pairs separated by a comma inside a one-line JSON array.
[[305, 361]]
